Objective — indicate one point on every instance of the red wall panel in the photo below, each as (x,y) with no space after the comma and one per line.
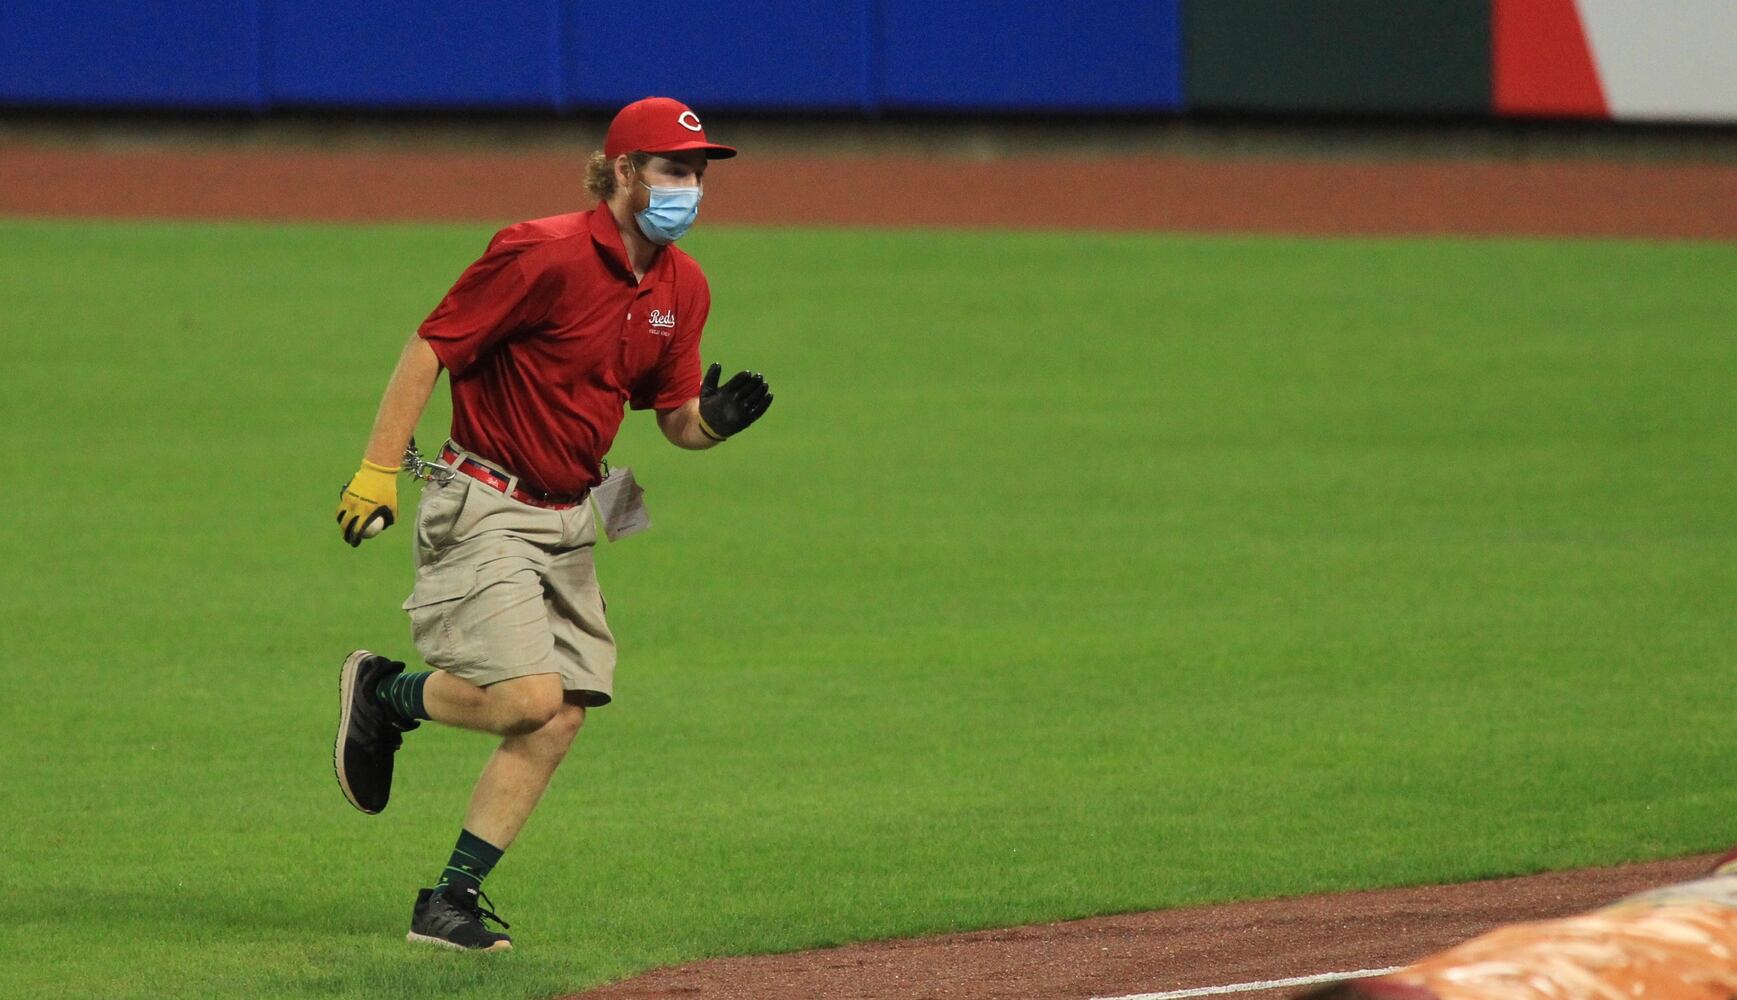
(1541,61)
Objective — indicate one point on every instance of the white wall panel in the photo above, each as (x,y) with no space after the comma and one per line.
(1665,59)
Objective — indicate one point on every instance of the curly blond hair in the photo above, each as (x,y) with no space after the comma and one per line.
(600,173)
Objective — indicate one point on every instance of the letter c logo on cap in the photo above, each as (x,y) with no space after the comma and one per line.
(689,121)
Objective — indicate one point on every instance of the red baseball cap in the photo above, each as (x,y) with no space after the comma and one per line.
(659,125)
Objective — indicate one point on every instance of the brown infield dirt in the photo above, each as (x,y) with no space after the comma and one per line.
(1168,950)
(1180,949)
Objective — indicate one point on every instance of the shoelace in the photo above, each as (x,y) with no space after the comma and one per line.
(483,911)
(490,913)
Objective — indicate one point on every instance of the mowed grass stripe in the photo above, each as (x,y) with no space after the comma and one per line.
(1070,573)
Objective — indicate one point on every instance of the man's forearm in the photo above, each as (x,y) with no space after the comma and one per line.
(403,402)
(682,427)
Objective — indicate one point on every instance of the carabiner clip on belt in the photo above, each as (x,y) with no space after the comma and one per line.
(421,468)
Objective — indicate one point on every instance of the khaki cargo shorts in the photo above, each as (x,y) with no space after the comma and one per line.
(505,590)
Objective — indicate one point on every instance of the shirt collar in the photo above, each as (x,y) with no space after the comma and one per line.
(607,236)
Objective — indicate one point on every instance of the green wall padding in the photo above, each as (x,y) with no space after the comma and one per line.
(1338,56)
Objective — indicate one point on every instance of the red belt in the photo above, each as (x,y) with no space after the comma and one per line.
(497,480)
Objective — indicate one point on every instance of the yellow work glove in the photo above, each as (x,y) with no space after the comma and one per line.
(369,503)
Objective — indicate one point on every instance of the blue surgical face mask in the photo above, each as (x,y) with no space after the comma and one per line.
(671,212)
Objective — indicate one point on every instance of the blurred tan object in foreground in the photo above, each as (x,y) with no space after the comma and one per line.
(1675,943)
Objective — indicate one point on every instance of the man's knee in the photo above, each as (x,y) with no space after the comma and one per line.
(527,704)
(556,735)
(566,723)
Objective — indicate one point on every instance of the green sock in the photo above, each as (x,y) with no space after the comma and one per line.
(471,862)
(402,693)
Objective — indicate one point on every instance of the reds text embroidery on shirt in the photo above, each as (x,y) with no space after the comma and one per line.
(662,321)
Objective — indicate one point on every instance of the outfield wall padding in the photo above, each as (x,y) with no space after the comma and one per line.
(1339,56)
(1541,64)
(1657,60)
(430,54)
(1663,60)
(1108,55)
(859,56)
(778,55)
(116,53)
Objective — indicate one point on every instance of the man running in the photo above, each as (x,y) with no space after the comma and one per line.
(562,324)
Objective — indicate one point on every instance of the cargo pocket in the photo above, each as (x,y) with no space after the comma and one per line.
(433,604)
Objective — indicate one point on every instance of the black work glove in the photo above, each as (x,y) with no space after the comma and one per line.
(727,411)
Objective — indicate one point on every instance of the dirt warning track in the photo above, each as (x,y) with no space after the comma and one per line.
(1314,197)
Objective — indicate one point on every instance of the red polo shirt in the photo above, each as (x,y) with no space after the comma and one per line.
(548,335)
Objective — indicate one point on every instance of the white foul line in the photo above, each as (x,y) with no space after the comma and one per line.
(1267,984)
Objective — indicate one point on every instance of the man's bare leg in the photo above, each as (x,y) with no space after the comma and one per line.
(539,726)
(506,708)
(513,780)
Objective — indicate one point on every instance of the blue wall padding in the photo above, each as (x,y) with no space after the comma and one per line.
(412,53)
(1108,55)
(774,54)
(130,53)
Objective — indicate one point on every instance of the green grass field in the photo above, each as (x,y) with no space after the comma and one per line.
(1070,574)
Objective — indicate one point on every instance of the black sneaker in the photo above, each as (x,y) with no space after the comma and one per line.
(452,917)
(368,732)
